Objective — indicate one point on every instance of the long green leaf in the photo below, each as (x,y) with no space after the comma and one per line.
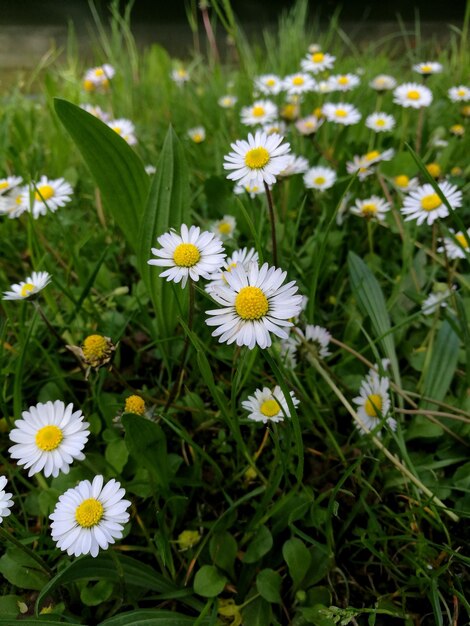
(167,207)
(149,617)
(117,170)
(445,354)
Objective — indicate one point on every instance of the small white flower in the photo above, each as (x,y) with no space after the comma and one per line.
(317,336)
(404,183)
(243,257)
(29,287)
(254,304)
(317,62)
(341,113)
(227,102)
(180,76)
(344,82)
(96,111)
(380,122)
(197,134)
(48,438)
(5,499)
(412,95)
(89,516)
(260,112)
(258,160)
(319,177)
(50,194)
(437,299)
(427,68)
(364,164)
(100,75)
(124,128)
(424,205)
(296,165)
(278,127)
(268,84)
(308,125)
(374,402)
(268,406)
(371,208)
(459,94)
(190,255)
(252,190)
(299,83)
(9,183)
(225,227)
(455,248)
(150,170)
(383,82)
(15,203)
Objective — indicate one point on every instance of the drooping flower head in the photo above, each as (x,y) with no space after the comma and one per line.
(5,499)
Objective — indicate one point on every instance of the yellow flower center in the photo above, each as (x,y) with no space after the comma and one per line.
(430,202)
(88,85)
(117,129)
(402,180)
(413,94)
(461,92)
(380,122)
(45,192)
(99,71)
(258,111)
(270,407)
(95,347)
(48,438)
(343,80)
(318,57)
(462,241)
(4,185)
(319,180)
(298,80)
(426,69)
(270,82)
(289,111)
(26,289)
(373,404)
(225,228)
(134,404)
(457,129)
(341,113)
(434,169)
(251,303)
(89,513)
(182,73)
(369,209)
(197,138)
(186,255)
(256,158)
(370,156)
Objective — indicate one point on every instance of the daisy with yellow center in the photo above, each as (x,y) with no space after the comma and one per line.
(254,304)
(427,68)
(9,183)
(259,113)
(125,129)
(459,94)
(405,183)
(343,82)
(317,62)
(423,204)
(180,76)
(268,406)
(224,228)
(320,178)
(365,164)
(383,82)
(134,404)
(50,194)
(96,350)
(258,160)
(341,113)
(373,403)
(89,516)
(296,84)
(412,95)
(197,134)
(97,78)
(268,84)
(5,499)
(31,286)
(457,247)
(243,257)
(380,122)
(371,208)
(308,125)
(48,438)
(191,254)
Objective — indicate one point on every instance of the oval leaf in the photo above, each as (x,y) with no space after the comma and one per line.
(209,582)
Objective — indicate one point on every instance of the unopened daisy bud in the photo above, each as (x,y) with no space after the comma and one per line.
(120,291)
(456,171)
(134,404)
(465,110)
(290,112)
(434,169)
(457,129)
(188,538)
(97,350)
(250,475)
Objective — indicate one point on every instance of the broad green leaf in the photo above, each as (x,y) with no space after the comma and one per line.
(117,170)
(298,559)
(149,617)
(96,594)
(209,582)
(167,207)
(445,354)
(371,301)
(21,570)
(117,454)
(257,613)
(318,615)
(268,583)
(260,545)
(9,605)
(223,550)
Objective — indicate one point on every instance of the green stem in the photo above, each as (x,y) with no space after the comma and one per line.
(273,222)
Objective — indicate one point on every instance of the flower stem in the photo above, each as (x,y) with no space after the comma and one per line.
(8,537)
(419,130)
(273,222)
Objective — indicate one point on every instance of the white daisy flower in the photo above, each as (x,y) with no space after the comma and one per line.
(374,402)
(380,122)
(344,82)
(9,183)
(227,102)
(190,255)
(179,76)
(5,499)
(424,205)
(319,177)
(258,160)
(317,62)
(437,299)
(278,127)
(15,203)
(364,164)
(371,208)
(243,257)
(100,75)
(324,86)
(296,165)
(308,125)
(252,190)
(225,227)
(254,305)
(405,183)
(96,111)
(412,95)
(457,247)
(318,337)
(268,84)
(260,112)
(150,170)
(268,406)
(50,194)
(197,134)
(89,516)
(383,82)
(314,47)
(299,83)
(427,68)
(341,113)
(124,128)
(29,287)
(48,438)
(459,94)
